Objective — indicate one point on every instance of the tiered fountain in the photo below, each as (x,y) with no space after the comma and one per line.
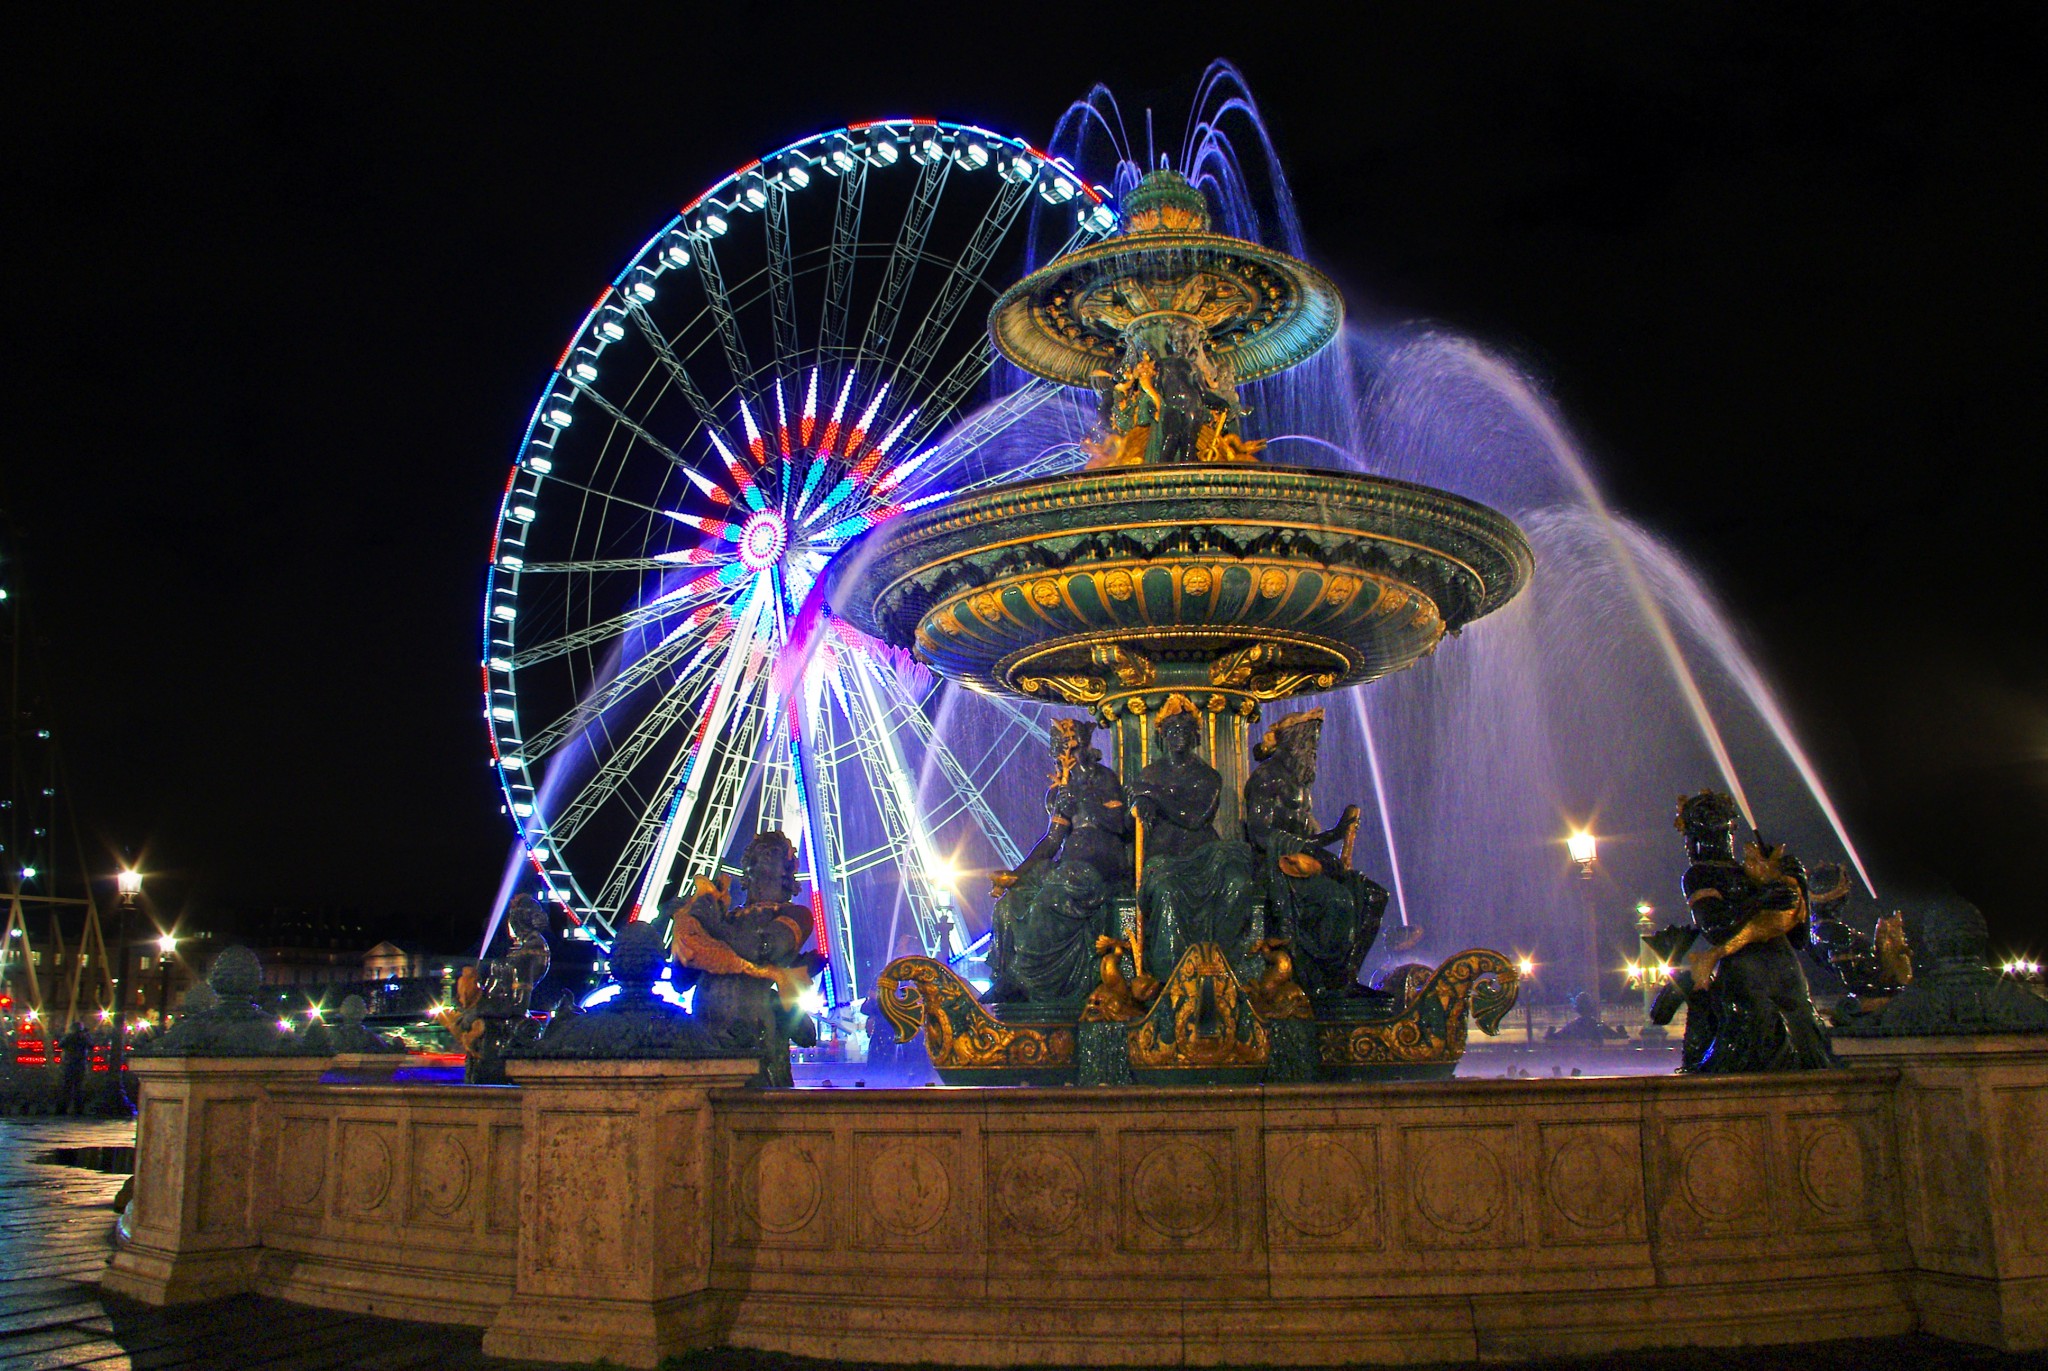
(1179,575)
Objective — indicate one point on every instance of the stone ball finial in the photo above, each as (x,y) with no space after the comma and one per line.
(236,974)
(637,955)
(1955,931)
(352,1010)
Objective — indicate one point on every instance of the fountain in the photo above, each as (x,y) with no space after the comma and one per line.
(1274,1168)
(1180,574)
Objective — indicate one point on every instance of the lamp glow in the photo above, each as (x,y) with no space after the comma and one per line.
(1582,846)
(129,882)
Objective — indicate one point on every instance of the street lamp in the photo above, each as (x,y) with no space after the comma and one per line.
(166,946)
(1526,966)
(1584,849)
(1652,971)
(129,883)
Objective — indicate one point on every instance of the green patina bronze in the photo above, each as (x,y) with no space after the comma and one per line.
(1180,578)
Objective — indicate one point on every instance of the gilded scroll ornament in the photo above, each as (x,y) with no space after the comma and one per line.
(920,992)
(1430,1029)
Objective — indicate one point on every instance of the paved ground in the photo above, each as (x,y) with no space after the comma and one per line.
(56,1226)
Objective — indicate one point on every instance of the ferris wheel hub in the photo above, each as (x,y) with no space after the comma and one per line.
(763,539)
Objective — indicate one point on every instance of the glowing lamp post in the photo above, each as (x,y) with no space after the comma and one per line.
(1584,850)
(129,883)
(1653,970)
(166,946)
(1527,967)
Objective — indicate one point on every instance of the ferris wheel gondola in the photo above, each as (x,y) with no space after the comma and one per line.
(778,369)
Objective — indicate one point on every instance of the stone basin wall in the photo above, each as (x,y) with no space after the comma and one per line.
(630,1210)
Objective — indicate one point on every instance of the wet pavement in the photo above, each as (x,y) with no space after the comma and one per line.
(59,1177)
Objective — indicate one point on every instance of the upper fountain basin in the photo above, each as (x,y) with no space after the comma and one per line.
(1337,578)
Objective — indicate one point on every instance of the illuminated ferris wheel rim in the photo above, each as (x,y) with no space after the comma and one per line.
(769,533)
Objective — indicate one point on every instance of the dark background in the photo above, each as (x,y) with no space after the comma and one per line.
(281,286)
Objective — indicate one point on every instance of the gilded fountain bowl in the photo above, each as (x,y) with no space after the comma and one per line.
(1310,579)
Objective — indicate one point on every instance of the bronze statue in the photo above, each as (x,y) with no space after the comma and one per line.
(529,956)
(1198,888)
(748,962)
(1329,913)
(1873,966)
(1749,1008)
(1051,909)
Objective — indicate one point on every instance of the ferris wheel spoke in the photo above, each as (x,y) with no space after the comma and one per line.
(631,425)
(902,264)
(781,283)
(965,275)
(828,829)
(600,700)
(713,279)
(672,711)
(962,443)
(739,763)
(744,662)
(679,374)
(661,562)
(904,713)
(895,795)
(676,602)
(853,184)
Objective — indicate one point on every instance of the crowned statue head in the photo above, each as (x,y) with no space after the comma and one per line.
(769,866)
(1178,726)
(1293,741)
(1708,822)
(1072,745)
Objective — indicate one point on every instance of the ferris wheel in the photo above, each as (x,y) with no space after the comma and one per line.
(782,366)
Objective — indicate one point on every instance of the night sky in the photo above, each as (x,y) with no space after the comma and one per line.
(281,287)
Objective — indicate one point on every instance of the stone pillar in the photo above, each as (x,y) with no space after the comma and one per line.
(1971,1115)
(204,1136)
(615,1211)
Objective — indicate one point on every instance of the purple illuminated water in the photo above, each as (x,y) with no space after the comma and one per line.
(1611,686)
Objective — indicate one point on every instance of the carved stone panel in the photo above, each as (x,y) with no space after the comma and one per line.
(1180,1190)
(1946,1199)
(2020,1118)
(1591,1177)
(443,1174)
(366,1164)
(1715,1177)
(302,1164)
(1833,1157)
(501,1213)
(909,1191)
(1323,1189)
(1461,1188)
(1043,1191)
(583,1229)
(224,1165)
(160,1176)
(778,1188)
